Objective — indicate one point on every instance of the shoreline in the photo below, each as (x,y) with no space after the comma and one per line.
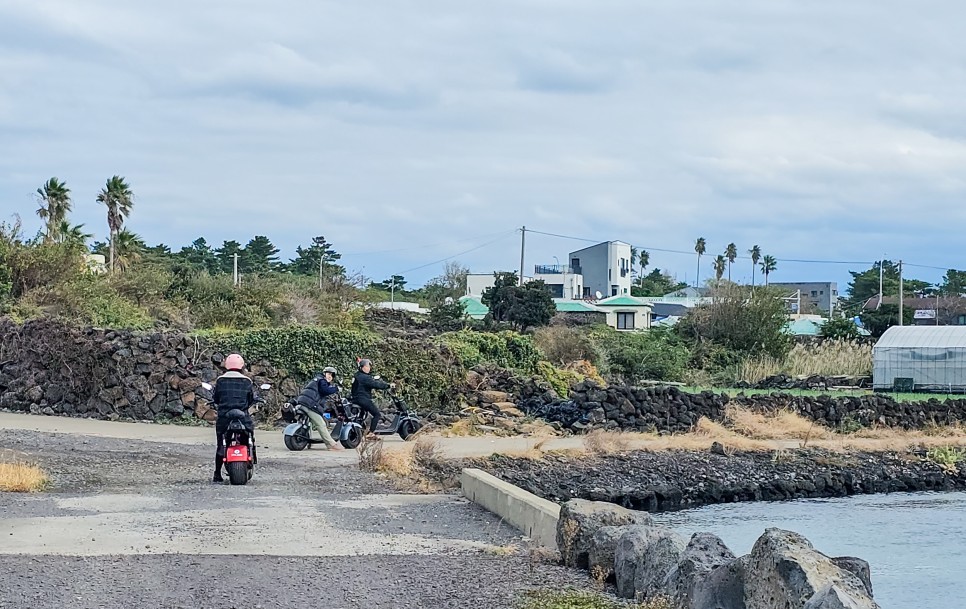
(676,480)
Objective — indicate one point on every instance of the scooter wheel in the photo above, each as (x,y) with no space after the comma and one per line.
(408,428)
(353,438)
(237,472)
(296,442)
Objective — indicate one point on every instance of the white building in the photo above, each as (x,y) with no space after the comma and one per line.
(605,267)
(561,279)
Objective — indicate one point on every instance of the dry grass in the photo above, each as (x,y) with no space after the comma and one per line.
(507,550)
(406,465)
(20,477)
(602,442)
(829,358)
(781,425)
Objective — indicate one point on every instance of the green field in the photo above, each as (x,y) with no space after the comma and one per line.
(899,397)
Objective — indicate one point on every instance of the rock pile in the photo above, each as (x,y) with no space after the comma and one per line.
(813,382)
(650,562)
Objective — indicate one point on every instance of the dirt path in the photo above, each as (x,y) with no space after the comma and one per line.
(269,442)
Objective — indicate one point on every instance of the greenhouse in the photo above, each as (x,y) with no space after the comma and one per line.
(920,358)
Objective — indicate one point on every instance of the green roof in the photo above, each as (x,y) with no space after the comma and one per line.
(573,306)
(622,301)
(474,308)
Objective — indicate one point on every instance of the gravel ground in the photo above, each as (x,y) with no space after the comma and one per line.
(205,582)
(416,550)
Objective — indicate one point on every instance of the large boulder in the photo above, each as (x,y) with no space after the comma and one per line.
(704,553)
(722,588)
(580,519)
(784,570)
(603,546)
(857,567)
(834,597)
(643,558)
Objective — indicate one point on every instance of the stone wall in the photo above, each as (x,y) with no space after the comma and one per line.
(669,409)
(54,369)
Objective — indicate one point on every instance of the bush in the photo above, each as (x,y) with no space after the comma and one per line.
(582,599)
(560,380)
(746,323)
(635,356)
(506,349)
(563,346)
(428,375)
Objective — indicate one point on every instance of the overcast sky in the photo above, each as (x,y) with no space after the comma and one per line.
(406,132)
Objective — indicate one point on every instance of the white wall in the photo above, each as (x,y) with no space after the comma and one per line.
(572,283)
(619,257)
(642,316)
(601,266)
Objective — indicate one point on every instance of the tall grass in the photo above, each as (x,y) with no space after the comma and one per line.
(828,358)
(20,477)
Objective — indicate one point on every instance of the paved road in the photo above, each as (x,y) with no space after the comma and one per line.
(269,442)
(132,522)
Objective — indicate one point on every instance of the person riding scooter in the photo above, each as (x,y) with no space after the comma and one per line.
(313,398)
(233,390)
(362,386)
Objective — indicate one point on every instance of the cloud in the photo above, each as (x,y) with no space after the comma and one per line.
(815,130)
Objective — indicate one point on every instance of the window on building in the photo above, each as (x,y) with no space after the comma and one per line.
(625,321)
(814,293)
(822,292)
(613,290)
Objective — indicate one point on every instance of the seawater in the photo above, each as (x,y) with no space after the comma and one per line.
(915,543)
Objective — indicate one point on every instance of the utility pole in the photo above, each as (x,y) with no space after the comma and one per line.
(392,292)
(234,273)
(523,245)
(900,293)
(321,258)
(879,304)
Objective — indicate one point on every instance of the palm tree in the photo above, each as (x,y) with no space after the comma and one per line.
(128,249)
(73,236)
(644,258)
(54,206)
(117,196)
(699,247)
(755,252)
(634,255)
(731,253)
(719,267)
(768,266)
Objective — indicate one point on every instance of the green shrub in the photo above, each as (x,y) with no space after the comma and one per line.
(506,349)
(562,345)
(560,380)
(428,375)
(947,456)
(635,356)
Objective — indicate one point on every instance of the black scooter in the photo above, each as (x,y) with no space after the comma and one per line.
(405,422)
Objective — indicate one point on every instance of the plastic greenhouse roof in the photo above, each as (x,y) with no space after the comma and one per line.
(942,337)
(474,306)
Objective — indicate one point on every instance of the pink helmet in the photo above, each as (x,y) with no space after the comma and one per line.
(234,362)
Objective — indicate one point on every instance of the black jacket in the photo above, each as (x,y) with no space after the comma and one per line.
(233,390)
(362,386)
(315,394)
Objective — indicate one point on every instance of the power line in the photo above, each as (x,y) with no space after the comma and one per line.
(692,253)
(504,235)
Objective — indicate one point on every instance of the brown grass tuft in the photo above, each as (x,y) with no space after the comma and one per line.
(602,442)
(19,477)
(781,425)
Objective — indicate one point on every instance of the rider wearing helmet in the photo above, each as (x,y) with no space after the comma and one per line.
(232,390)
(362,386)
(314,396)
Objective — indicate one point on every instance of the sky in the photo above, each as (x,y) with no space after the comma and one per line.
(409,132)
